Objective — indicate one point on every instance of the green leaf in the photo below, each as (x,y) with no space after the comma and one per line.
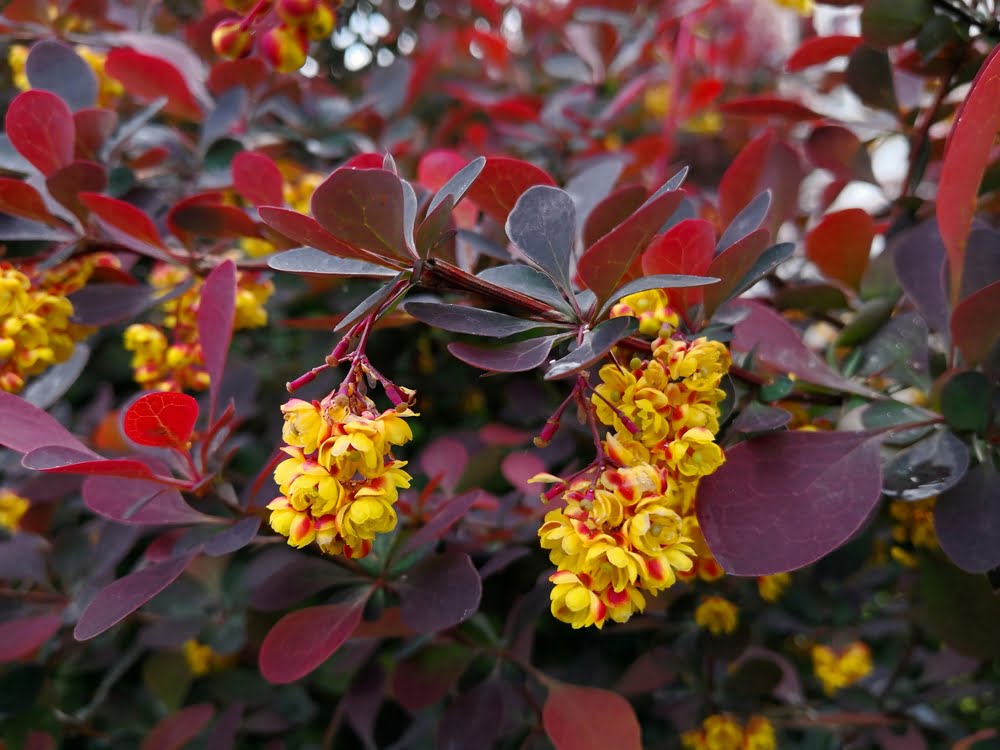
(959,608)
(596,343)
(967,402)
(869,75)
(885,23)
(869,318)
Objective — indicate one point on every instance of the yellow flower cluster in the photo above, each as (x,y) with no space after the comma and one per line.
(36,330)
(772,588)
(913,529)
(723,732)
(839,669)
(717,615)
(631,528)
(655,315)
(202,659)
(340,481)
(176,363)
(12,509)
(109,89)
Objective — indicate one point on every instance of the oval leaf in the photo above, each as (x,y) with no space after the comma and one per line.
(363,207)
(502,181)
(970,334)
(471,320)
(19,638)
(176,730)
(54,66)
(18,198)
(286,656)
(967,520)
(585,718)
(148,77)
(596,343)
(216,312)
(440,592)
(308,260)
(841,244)
(24,427)
(138,502)
(161,420)
(926,468)
(786,499)
(516,357)
(40,126)
(542,224)
(257,179)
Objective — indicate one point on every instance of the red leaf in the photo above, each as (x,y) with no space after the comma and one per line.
(731,265)
(161,420)
(784,500)
(520,466)
(302,640)
(24,427)
(840,245)
(973,323)
(216,312)
(19,638)
(40,126)
(62,460)
(438,166)
(836,148)
(609,262)
(768,106)
(176,730)
(444,460)
(126,224)
(821,49)
(612,211)
(966,157)
(686,248)
(18,198)
(198,216)
(139,502)
(764,163)
(123,597)
(778,346)
(584,718)
(66,184)
(94,126)
(257,179)
(502,182)
(307,232)
(147,78)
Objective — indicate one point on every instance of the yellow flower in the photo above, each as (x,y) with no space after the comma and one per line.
(304,425)
(616,389)
(759,735)
(574,603)
(717,615)
(772,588)
(298,526)
(656,102)
(359,521)
(255,247)
(316,490)
(17,56)
(109,88)
(695,454)
(802,7)
(700,363)
(722,733)
(202,659)
(839,669)
(621,605)
(656,317)
(386,484)
(12,509)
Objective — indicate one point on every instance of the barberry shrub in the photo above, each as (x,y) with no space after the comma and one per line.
(500,374)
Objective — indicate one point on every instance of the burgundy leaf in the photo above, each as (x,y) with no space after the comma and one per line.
(685,248)
(257,179)
(440,592)
(517,357)
(66,184)
(24,427)
(768,106)
(502,181)
(363,207)
(94,125)
(20,637)
(837,149)
(223,734)
(123,597)
(236,536)
(969,333)
(784,500)
(306,231)
(18,198)
(731,266)
(840,245)
(176,730)
(138,502)
(474,719)
(444,459)
(585,718)
(148,77)
(443,519)
(60,459)
(302,640)
(216,221)
(126,224)
(967,520)
(216,312)
(612,211)
(40,126)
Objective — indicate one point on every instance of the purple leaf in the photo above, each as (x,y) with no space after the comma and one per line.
(609,261)
(440,592)
(22,558)
(517,357)
(104,304)
(237,536)
(529,282)
(474,719)
(363,701)
(223,734)
(66,184)
(444,459)
(176,730)
(967,520)
(364,208)
(301,641)
(287,579)
(731,266)
(786,499)
(745,222)
(216,311)
(543,224)
(759,418)
(459,183)
(20,637)
(520,466)
(439,524)
(472,320)
(123,597)
(24,427)
(138,502)
(982,260)
(778,346)
(926,468)
(308,260)
(62,460)
(596,343)
(54,66)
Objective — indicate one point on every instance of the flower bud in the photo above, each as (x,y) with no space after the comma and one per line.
(285,48)
(296,12)
(230,41)
(320,24)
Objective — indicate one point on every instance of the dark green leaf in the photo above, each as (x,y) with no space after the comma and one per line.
(959,608)
(885,23)
(869,75)
(595,345)
(542,224)
(886,413)
(472,320)
(872,315)
(967,402)
(309,260)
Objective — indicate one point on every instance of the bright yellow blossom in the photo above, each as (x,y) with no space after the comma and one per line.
(12,509)
(772,588)
(839,669)
(656,317)
(723,732)
(717,615)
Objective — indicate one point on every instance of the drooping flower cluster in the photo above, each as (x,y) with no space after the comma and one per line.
(340,481)
(717,615)
(108,91)
(176,363)
(723,732)
(839,669)
(628,525)
(12,510)
(36,328)
(285,44)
